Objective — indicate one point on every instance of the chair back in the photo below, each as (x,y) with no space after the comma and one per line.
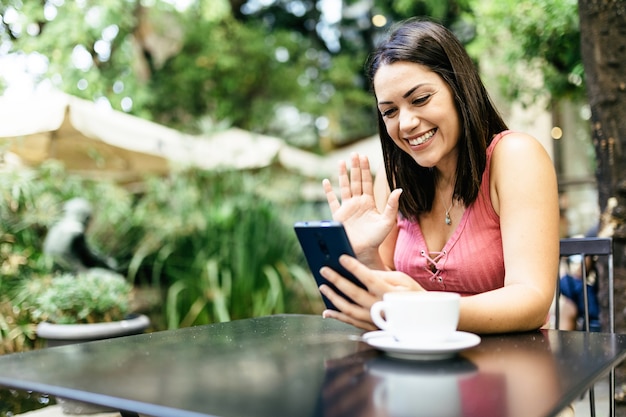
(600,247)
(589,246)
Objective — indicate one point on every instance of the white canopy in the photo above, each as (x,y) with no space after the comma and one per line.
(96,140)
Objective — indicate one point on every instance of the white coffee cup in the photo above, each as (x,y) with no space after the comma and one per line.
(418,317)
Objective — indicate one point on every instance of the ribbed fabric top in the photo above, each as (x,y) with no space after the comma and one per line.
(471,262)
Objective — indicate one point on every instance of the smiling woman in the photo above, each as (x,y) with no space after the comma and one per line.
(460,211)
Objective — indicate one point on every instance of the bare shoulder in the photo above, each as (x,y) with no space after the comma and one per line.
(521,171)
(520,154)
(517,144)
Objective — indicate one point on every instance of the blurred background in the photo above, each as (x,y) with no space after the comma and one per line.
(201,130)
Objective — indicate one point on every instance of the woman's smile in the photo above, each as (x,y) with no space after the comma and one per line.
(421,139)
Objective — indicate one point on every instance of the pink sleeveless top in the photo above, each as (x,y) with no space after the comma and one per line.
(471,262)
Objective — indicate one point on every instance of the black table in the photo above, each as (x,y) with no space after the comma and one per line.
(297,365)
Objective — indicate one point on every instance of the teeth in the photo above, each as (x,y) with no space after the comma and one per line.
(423,138)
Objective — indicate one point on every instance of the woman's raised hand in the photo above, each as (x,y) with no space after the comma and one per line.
(365,225)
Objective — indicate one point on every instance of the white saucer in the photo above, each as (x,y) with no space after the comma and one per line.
(424,351)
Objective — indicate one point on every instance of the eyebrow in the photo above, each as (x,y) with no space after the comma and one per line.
(407,94)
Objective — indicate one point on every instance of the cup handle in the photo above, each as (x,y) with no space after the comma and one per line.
(376,312)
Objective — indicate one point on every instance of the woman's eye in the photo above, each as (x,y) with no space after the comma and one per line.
(388,113)
(422,99)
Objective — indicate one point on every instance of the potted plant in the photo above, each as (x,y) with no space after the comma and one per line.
(82,307)
(90,305)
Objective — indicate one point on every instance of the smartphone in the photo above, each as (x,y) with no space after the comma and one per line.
(323,242)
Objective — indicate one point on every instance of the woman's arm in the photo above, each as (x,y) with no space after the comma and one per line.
(524,193)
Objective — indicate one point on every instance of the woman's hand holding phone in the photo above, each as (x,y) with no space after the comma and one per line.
(357,312)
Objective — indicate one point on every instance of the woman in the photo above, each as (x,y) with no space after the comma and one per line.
(474,207)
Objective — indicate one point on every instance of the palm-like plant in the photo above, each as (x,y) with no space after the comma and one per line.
(225,250)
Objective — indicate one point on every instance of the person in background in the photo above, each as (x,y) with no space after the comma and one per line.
(467,206)
(572,300)
(572,317)
(66,241)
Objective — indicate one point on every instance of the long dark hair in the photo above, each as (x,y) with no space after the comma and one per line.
(435,47)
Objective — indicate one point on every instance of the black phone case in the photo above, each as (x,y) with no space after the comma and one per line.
(323,242)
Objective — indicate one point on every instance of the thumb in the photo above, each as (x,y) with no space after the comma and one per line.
(393,204)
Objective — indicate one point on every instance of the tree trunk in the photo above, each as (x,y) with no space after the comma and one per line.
(603,48)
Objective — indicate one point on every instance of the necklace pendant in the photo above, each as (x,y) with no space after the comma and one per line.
(448,219)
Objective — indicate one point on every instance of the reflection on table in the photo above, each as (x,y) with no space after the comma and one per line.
(295,365)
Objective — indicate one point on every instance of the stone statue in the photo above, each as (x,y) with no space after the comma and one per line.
(66,242)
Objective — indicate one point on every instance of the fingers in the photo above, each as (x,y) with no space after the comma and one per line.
(359,180)
(344,181)
(333,202)
(333,314)
(361,175)
(357,269)
(356,185)
(359,310)
(355,311)
(377,282)
(367,181)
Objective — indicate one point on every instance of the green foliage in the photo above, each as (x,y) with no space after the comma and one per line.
(539,43)
(447,12)
(17,329)
(30,202)
(227,59)
(214,244)
(225,250)
(215,63)
(82,26)
(94,296)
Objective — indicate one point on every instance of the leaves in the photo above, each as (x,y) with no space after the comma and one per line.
(216,61)
(91,297)
(539,43)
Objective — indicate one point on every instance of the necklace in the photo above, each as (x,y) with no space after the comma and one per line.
(448,219)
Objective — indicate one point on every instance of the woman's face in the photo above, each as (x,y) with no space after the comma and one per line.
(419,113)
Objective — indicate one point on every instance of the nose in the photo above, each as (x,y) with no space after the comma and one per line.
(409,120)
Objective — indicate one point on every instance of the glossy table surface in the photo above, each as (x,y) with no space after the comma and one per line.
(299,365)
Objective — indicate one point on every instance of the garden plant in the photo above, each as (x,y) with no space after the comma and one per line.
(215,246)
